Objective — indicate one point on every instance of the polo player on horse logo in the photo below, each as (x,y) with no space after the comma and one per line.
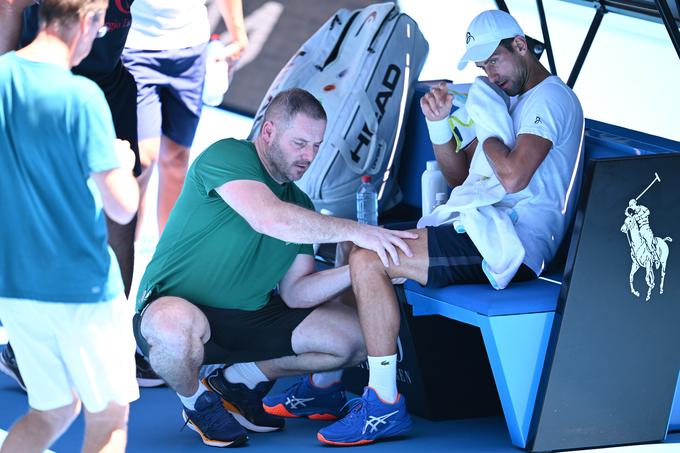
(645,250)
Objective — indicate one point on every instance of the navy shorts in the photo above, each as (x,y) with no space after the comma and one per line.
(242,336)
(169,91)
(455,259)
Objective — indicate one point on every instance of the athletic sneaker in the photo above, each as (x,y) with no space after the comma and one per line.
(304,399)
(216,427)
(369,419)
(146,376)
(8,365)
(244,404)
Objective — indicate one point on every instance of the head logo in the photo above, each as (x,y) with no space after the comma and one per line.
(469,37)
(646,250)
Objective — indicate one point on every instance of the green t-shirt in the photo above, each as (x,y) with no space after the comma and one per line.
(208,254)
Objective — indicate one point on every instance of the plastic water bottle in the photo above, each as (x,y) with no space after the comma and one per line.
(432,183)
(367,202)
(440,198)
(216,73)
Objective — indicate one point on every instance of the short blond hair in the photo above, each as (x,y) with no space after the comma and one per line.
(67,12)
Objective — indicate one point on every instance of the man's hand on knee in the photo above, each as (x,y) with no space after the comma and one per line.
(385,243)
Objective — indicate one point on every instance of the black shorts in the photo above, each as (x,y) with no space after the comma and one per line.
(455,259)
(243,336)
(120,91)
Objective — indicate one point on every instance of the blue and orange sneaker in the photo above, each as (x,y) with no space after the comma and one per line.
(243,403)
(217,427)
(369,419)
(304,399)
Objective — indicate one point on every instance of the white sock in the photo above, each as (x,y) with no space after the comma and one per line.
(382,376)
(245,373)
(326,379)
(190,401)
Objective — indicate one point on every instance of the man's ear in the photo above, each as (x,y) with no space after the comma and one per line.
(86,23)
(268,131)
(520,45)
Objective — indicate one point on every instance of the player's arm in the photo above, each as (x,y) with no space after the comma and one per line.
(232,14)
(436,106)
(267,214)
(515,167)
(304,287)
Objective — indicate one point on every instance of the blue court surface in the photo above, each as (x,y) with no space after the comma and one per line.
(156,423)
(156,426)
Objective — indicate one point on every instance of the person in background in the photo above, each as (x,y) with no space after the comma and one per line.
(166,53)
(61,295)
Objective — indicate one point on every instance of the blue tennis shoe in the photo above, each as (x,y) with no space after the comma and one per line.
(217,427)
(304,399)
(369,419)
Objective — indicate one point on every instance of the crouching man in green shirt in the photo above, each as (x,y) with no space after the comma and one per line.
(240,230)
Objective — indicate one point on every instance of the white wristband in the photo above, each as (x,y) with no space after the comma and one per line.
(440,131)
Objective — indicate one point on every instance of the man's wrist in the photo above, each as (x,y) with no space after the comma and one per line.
(440,131)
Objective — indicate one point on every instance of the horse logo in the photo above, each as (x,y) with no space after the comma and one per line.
(646,250)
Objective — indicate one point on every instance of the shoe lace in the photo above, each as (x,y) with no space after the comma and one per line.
(211,417)
(356,407)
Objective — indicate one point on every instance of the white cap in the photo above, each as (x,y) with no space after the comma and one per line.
(485,32)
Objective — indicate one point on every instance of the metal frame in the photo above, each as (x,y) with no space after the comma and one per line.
(604,6)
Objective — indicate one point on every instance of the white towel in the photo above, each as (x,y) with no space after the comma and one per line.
(477,205)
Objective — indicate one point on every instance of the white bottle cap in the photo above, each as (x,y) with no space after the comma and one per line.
(432,165)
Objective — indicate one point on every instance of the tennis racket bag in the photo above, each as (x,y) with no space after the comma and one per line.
(362,65)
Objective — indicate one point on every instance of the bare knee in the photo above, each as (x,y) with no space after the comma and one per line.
(113,417)
(57,420)
(173,155)
(175,323)
(365,262)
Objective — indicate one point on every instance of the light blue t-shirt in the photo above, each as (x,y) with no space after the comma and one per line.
(55,130)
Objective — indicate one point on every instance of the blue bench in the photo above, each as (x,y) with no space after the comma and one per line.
(516,322)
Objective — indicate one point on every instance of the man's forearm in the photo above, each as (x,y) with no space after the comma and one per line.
(292,223)
(499,157)
(316,288)
(454,166)
(232,14)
